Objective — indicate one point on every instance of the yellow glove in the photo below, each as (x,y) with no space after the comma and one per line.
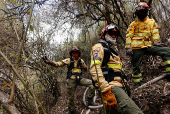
(109,99)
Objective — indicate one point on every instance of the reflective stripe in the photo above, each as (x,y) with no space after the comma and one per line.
(76,70)
(141,43)
(61,63)
(167,69)
(96,62)
(146,42)
(137,43)
(155,30)
(137,76)
(119,66)
(128,41)
(143,34)
(156,37)
(166,62)
(129,35)
(137,80)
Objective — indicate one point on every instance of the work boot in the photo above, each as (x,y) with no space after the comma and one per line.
(167,76)
(137,84)
(91,103)
(72,112)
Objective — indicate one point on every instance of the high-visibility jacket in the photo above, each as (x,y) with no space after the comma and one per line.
(114,62)
(141,34)
(76,69)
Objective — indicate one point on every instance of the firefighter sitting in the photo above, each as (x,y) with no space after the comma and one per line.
(106,68)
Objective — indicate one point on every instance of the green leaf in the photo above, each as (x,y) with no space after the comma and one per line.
(19,3)
(31,28)
(25,58)
(12,55)
(79,7)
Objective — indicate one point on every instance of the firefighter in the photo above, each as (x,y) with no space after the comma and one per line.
(106,68)
(75,66)
(143,38)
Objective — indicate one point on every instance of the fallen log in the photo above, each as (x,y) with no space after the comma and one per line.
(151,81)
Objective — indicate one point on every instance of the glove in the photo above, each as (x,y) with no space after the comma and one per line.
(46,60)
(159,44)
(109,99)
(128,50)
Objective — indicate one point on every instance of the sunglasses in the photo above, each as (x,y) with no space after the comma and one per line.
(75,48)
(113,32)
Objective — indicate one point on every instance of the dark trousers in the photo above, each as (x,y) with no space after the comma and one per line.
(125,104)
(71,88)
(163,52)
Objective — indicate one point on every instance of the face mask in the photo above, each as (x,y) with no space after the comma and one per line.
(110,39)
(142,15)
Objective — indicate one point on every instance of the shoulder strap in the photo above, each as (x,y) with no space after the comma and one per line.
(107,54)
(71,64)
(113,50)
(79,63)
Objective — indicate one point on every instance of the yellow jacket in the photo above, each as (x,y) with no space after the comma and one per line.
(141,34)
(114,63)
(67,62)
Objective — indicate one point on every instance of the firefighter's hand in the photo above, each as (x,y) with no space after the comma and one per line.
(109,99)
(159,44)
(84,67)
(128,50)
(46,60)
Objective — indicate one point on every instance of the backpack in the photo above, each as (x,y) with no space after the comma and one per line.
(107,71)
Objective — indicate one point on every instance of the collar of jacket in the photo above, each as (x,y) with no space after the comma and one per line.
(143,19)
(103,41)
(76,59)
(107,43)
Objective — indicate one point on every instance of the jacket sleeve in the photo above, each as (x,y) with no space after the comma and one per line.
(97,54)
(84,66)
(155,33)
(62,63)
(129,34)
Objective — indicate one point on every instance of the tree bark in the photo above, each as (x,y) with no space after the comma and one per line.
(19,55)
(107,13)
(10,108)
(23,82)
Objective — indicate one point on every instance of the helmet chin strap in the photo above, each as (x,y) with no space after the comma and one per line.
(109,39)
